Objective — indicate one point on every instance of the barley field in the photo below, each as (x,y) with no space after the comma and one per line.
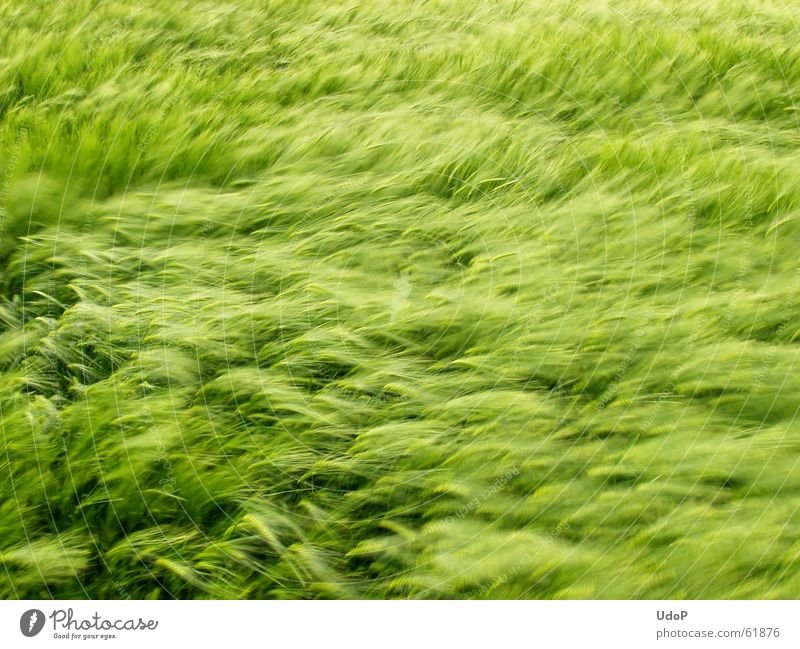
(448,299)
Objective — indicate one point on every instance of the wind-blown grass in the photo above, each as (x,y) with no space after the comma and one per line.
(445,299)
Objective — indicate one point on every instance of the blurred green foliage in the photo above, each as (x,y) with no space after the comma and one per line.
(444,299)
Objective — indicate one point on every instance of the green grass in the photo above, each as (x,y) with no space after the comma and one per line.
(382,300)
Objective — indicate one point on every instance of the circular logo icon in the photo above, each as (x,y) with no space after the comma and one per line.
(31,622)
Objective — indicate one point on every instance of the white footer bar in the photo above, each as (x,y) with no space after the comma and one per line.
(400,624)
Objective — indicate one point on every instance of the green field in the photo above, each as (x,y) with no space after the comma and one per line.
(399,300)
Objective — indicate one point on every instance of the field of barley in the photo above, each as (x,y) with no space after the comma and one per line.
(447,299)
